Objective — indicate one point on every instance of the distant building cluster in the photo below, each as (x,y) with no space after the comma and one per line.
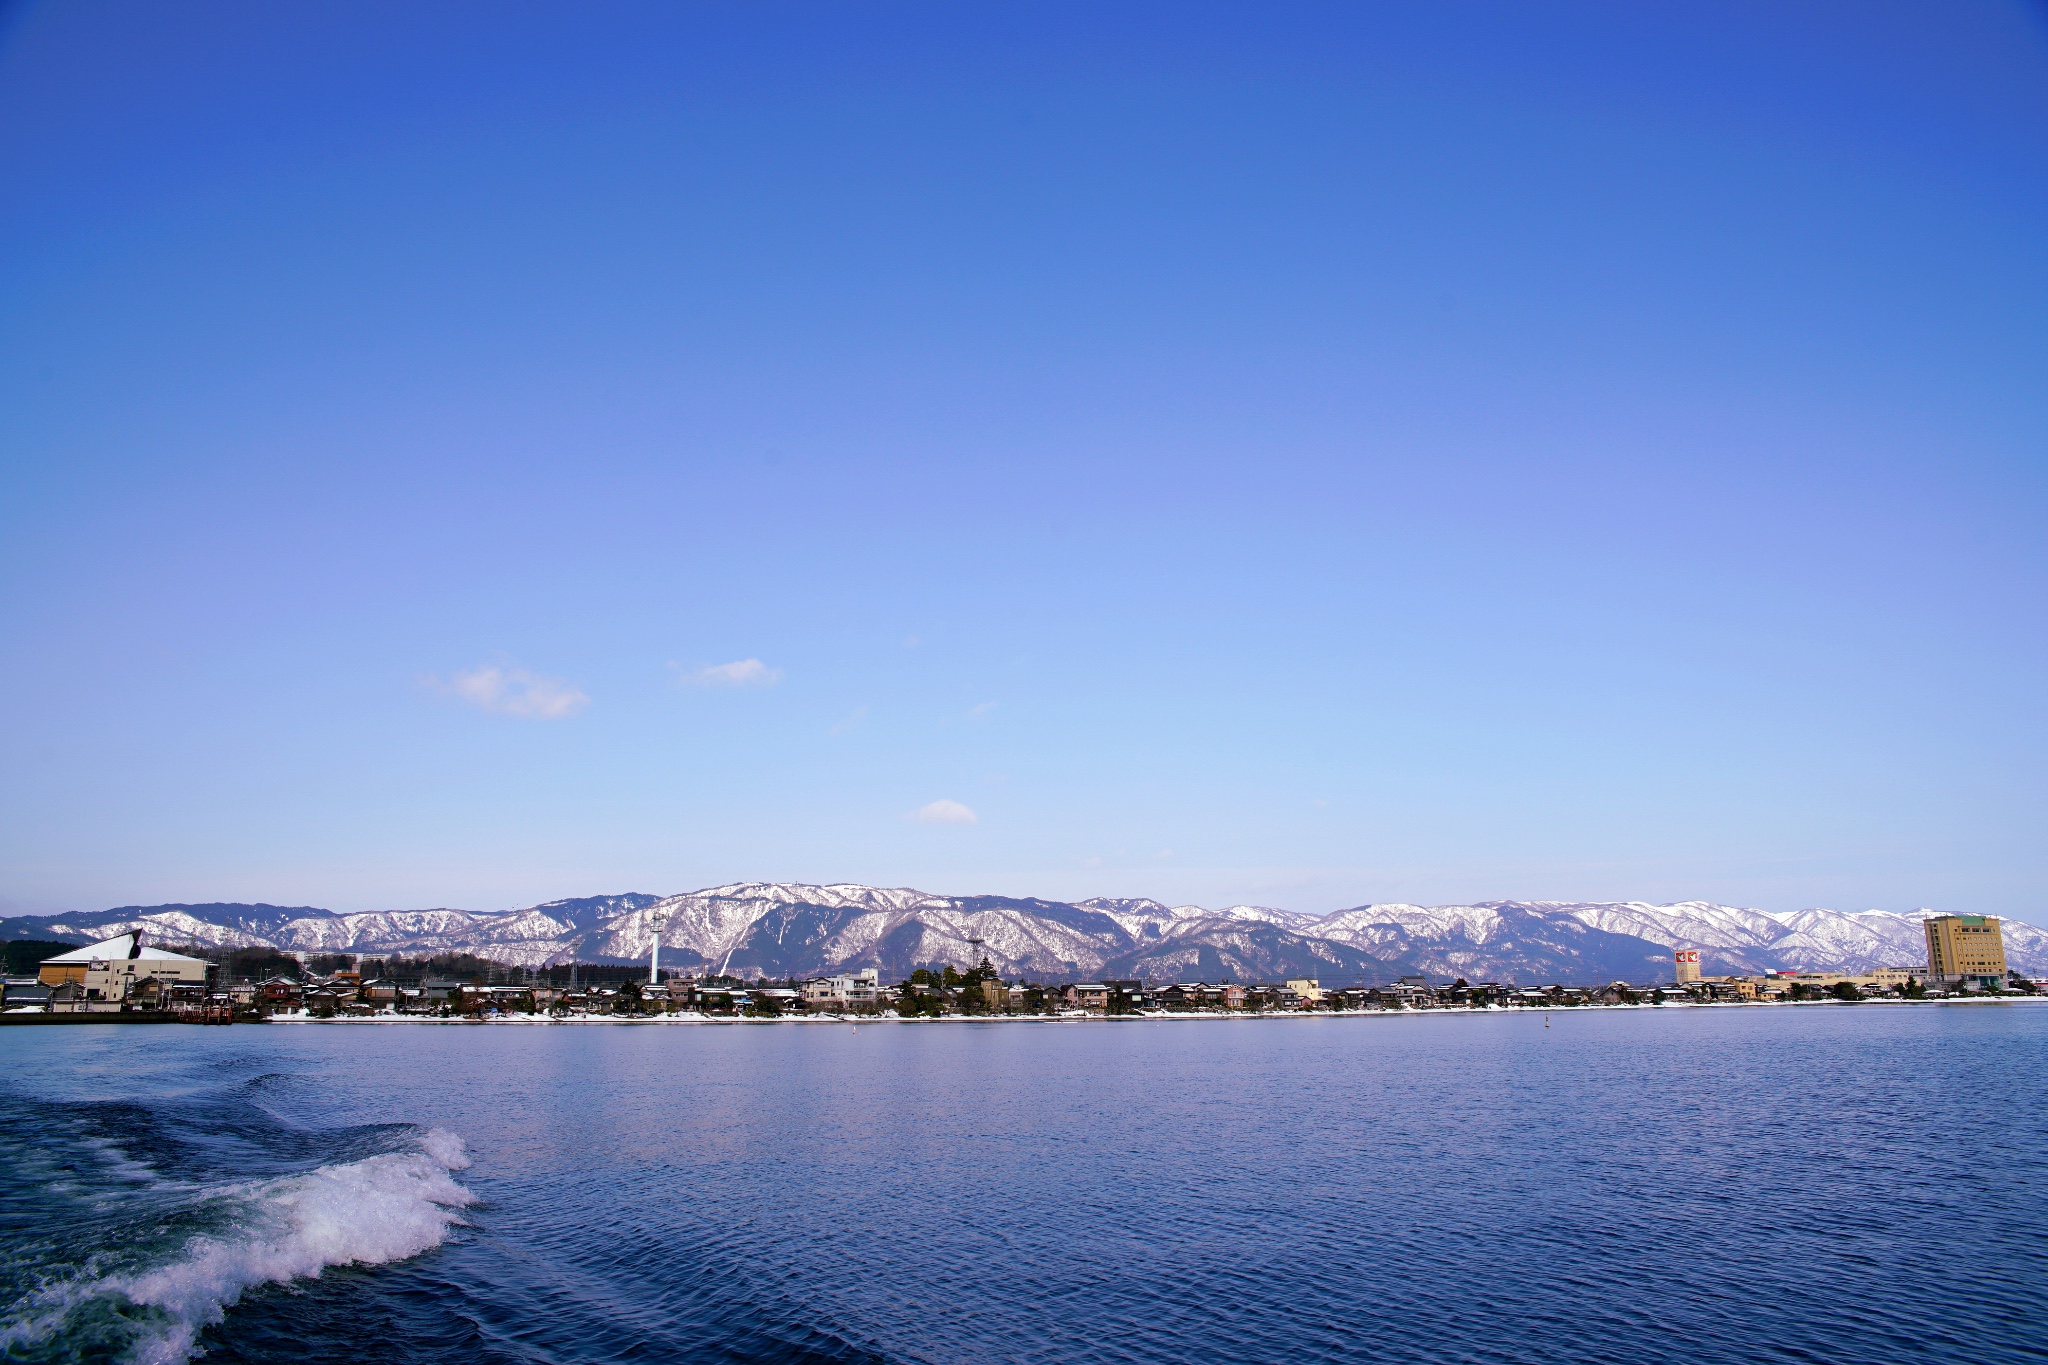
(1965,956)
(124,977)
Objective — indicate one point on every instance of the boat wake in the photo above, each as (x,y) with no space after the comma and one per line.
(225,1239)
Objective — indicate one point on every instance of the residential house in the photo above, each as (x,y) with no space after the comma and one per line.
(1088,995)
(24,993)
(278,993)
(1307,991)
(853,993)
(328,998)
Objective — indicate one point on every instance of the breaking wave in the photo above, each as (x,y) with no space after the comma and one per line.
(371,1211)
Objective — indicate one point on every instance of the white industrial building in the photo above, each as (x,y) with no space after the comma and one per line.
(110,969)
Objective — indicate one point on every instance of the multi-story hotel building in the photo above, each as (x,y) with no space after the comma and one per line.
(1965,950)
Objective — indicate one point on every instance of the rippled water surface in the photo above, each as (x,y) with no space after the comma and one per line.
(1837,1183)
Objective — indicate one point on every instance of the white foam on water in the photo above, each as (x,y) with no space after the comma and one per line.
(119,1164)
(369,1212)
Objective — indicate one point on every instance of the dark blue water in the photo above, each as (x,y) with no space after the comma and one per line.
(1833,1183)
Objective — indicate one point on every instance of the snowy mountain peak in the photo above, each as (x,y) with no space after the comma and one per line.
(802,893)
(1129,905)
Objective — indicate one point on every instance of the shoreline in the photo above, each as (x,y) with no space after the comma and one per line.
(694,1019)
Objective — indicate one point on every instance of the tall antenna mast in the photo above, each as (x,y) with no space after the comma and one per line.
(657,918)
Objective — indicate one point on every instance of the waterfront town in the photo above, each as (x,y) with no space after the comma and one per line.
(124,978)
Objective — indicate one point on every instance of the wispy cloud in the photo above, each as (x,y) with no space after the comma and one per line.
(944,812)
(511,691)
(738,673)
(981,710)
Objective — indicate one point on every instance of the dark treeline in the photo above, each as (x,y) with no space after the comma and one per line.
(258,964)
(24,955)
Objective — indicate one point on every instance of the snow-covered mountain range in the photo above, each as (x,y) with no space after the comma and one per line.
(784,929)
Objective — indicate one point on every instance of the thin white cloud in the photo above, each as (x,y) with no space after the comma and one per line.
(983,709)
(738,673)
(510,691)
(944,812)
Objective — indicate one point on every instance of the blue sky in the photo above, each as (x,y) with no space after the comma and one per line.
(1298,454)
